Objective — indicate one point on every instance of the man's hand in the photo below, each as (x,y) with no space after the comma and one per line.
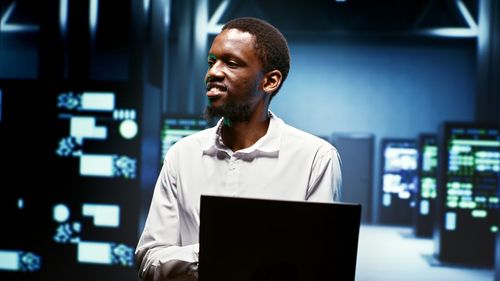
(174,270)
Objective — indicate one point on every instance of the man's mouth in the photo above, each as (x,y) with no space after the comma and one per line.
(215,90)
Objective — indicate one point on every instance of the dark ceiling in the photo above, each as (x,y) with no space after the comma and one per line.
(352,15)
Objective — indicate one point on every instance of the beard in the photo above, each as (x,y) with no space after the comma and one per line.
(234,112)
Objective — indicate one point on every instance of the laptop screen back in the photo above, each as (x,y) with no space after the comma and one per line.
(263,240)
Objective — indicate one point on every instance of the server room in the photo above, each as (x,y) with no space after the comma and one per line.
(94,93)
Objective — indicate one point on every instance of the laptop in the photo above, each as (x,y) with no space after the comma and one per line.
(243,239)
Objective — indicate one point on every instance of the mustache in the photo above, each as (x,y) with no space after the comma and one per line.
(218,85)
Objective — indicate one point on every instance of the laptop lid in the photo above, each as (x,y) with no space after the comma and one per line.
(262,240)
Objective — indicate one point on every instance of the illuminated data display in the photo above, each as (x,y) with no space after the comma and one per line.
(469,183)
(427,185)
(93,117)
(399,180)
(73,209)
(176,127)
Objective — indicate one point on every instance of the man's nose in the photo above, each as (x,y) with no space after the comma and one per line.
(215,70)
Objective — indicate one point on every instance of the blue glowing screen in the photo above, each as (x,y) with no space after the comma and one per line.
(71,184)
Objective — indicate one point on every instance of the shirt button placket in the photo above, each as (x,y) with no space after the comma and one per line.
(232,177)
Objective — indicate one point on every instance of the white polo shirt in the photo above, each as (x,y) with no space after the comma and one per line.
(286,164)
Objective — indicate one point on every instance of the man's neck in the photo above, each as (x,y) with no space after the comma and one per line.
(240,135)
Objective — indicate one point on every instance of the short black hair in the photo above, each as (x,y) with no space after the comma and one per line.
(270,44)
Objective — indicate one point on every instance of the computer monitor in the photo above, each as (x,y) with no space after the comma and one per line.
(176,127)
(399,180)
(425,197)
(468,193)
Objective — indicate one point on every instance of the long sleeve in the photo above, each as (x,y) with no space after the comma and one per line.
(325,181)
(160,254)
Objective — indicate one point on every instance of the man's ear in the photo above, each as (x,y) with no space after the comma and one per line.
(272,81)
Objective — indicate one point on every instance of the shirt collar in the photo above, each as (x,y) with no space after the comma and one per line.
(267,146)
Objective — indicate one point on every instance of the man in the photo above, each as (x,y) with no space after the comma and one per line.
(249,153)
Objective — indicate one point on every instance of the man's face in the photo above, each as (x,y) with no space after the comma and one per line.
(234,76)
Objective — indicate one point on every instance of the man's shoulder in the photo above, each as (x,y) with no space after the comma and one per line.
(295,136)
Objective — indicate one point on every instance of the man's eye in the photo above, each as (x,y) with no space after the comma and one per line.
(232,64)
